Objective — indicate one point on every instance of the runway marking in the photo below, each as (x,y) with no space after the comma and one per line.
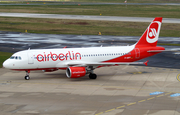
(151,98)
(175,95)
(99,113)
(133,103)
(156,93)
(120,107)
(168,93)
(178,77)
(110,110)
(141,101)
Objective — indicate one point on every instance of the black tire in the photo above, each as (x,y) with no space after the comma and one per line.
(92,76)
(26,77)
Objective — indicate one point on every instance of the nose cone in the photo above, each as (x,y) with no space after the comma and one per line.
(6,64)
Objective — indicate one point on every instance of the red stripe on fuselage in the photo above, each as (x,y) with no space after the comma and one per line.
(136,54)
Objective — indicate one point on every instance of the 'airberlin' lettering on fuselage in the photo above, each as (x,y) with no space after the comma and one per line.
(61,56)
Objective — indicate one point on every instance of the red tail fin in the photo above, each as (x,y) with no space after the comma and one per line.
(151,35)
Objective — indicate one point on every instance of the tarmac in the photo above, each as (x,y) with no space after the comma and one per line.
(118,90)
(87,17)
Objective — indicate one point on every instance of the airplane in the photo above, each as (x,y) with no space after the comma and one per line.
(81,61)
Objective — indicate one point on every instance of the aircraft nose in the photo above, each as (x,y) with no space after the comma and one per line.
(6,64)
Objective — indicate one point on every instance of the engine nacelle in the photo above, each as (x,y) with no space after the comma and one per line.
(75,72)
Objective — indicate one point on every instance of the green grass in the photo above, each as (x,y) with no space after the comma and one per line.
(54,26)
(105,10)
(129,1)
(95,1)
(84,27)
(3,57)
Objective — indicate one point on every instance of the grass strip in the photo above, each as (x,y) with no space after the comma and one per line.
(103,10)
(83,27)
(129,1)
(90,1)
(3,57)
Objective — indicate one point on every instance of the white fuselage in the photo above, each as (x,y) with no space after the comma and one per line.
(59,58)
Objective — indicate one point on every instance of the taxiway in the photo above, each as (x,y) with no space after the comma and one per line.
(118,90)
(87,17)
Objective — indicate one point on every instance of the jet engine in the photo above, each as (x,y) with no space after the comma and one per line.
(75,72)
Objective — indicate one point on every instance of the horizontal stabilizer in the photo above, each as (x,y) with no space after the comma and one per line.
(163,51)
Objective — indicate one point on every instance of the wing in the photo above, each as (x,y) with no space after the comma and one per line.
(84,64)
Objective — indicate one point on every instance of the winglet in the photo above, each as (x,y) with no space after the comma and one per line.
(146,62)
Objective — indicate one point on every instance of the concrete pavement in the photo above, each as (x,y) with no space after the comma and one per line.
(87,17)
(119,90)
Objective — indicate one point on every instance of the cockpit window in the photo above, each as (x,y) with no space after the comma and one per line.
(12,57)
(16,57)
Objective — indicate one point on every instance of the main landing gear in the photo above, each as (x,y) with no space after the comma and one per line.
(27,75)
(89,70)
(92,76)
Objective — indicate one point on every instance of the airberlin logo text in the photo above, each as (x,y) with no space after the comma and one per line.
(61,56)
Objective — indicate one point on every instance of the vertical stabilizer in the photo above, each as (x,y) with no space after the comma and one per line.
(151,35)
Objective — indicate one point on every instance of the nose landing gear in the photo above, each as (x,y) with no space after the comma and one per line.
(27,75)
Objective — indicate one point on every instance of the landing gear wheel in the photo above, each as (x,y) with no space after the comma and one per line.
(26,77)
(92,76)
